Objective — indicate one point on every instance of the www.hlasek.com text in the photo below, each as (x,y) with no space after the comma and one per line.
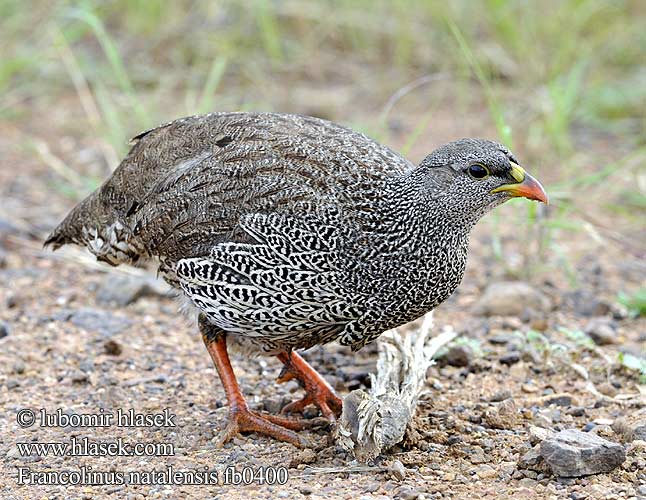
(85,447)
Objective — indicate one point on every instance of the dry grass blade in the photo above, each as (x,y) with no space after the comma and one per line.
(88,103)
(56,164)
(407,89)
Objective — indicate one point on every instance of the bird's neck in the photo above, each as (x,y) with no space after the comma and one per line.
(425,200)
(416,254)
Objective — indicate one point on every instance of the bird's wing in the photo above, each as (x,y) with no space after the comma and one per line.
(184,186)
(284,289)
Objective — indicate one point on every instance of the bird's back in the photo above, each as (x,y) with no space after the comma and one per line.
(184,186)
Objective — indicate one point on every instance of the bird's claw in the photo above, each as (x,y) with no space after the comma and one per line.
(278,427)
(327,402)
(317,391)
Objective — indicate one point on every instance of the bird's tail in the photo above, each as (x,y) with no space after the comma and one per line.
(95,224)
(71,229)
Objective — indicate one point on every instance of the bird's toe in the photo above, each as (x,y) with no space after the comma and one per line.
(280,428)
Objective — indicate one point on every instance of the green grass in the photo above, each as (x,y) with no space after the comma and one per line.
(635,302)
(543,74)
(634,363)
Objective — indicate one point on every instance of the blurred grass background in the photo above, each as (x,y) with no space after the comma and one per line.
(563,83)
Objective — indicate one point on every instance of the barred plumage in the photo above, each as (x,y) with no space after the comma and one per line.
(288,231)
(280,227)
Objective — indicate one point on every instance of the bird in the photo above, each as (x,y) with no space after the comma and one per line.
(282,232)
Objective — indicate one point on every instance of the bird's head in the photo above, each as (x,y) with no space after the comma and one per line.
(472,176)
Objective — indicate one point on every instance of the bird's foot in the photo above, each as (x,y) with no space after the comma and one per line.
(281,428)
(330,405)
(317,391)
(241,418)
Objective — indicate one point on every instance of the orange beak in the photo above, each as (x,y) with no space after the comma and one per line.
(526,187)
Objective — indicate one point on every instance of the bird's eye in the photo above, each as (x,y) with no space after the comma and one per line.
(478,171)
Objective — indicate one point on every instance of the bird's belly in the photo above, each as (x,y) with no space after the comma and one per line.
(435,281)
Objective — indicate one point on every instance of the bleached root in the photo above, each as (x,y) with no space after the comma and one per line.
(373,422)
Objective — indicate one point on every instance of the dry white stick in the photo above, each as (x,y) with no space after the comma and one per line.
(375,421)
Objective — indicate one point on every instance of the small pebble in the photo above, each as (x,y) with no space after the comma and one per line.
(500,396)
(12,383)
(12,301)
(510,358)
(372,487)
(602,330)
(577,411)
(112,347)
(631,428)
(398,470)
(486,472)
(306,490)
(501,339)
(18,367)
(407,493)
(453,439)
(459,356)
(78,377)
(4,329)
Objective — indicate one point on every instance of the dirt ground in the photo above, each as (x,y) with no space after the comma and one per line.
(65,347)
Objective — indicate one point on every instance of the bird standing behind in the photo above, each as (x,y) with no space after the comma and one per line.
(287,231)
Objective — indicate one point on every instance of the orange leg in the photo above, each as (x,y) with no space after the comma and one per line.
(241,418)
(317,391)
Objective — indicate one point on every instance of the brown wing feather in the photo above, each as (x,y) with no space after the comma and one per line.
(183,186)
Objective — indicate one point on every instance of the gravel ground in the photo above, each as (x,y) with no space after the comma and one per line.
(65,344)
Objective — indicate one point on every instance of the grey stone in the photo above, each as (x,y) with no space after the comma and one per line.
(558,400)
(602,330)
(78,377)
(12,383)
(19,367)
(4,329)
(500,396)
(12,301)
(398,470)
(539,434)
(511,298)
(532,459)
(585,303)
(112,347)
(510,358)
(122,290)
(631,428)
(572,453)
(503,415)
(306,490)
(459,355)
(528,482)
(95,320)
(577,411)
(501,339)
(408,493)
